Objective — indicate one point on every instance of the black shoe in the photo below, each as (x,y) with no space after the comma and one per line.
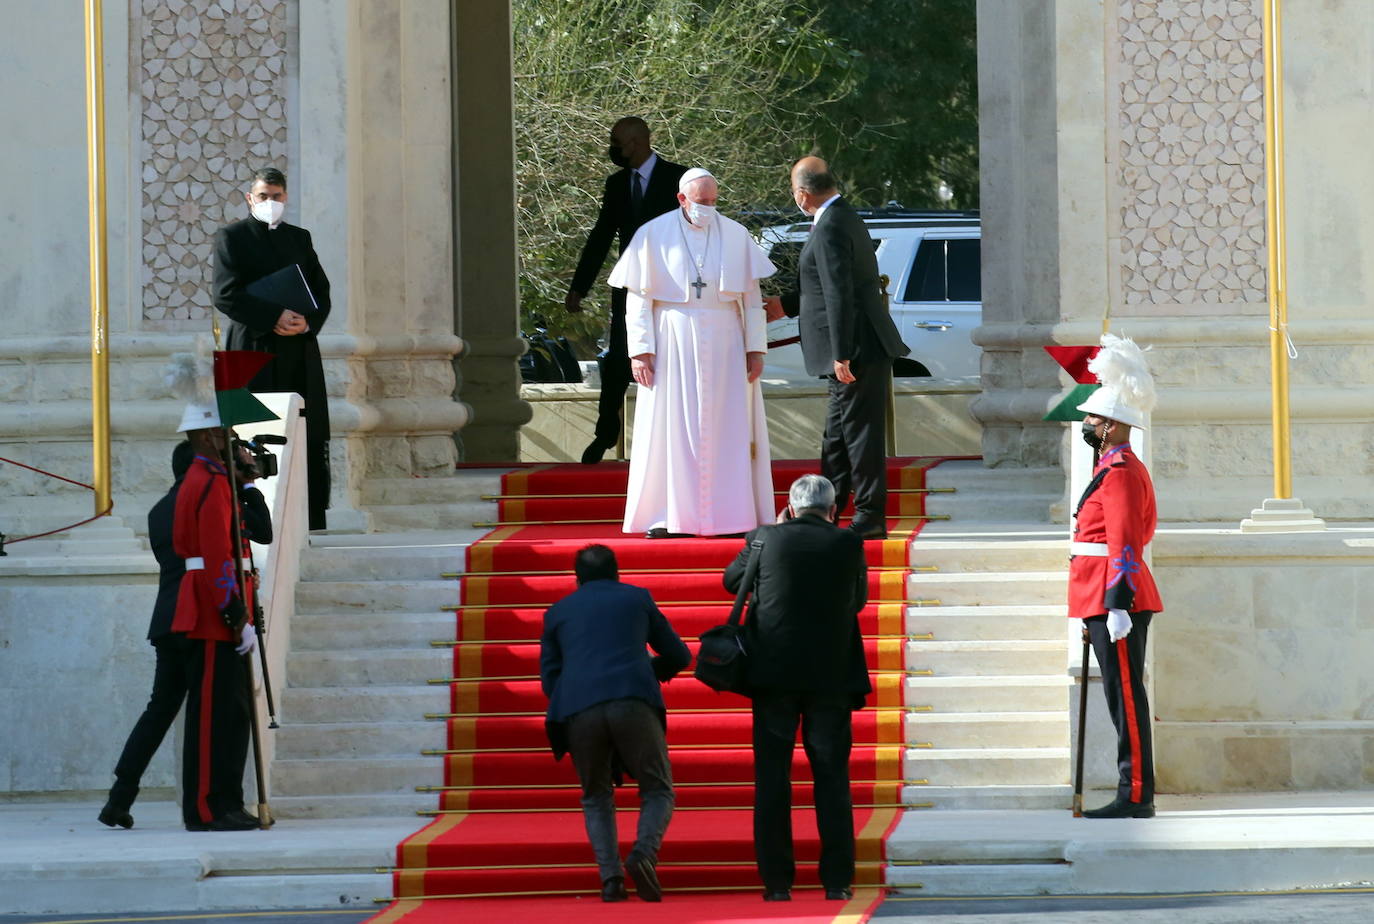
(641,870)
(839,895)
(778,895)
(869,529)
(1122,808)
(661,532)
(235,820)
(116,816)
(593,453)
(613,889)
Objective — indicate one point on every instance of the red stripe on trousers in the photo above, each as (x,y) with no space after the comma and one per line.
(207,703)
(1132,726)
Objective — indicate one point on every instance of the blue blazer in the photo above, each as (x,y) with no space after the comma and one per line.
(592,649)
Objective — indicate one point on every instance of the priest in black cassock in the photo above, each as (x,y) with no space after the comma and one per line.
(245,252)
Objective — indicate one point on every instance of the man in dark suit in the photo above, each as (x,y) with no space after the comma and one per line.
(806,665)
(246,251)
(172,671)
(847,337)
(644,187)
(603,686)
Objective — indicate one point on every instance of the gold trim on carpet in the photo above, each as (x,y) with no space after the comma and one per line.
(397,911)
(415,849)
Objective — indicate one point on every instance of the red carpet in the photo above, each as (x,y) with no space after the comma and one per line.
(508,842)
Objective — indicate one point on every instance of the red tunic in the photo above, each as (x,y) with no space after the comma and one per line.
(1117,509)
(202,528)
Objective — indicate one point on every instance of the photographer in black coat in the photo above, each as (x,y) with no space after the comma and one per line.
(806,665)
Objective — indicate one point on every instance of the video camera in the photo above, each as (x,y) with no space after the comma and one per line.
(264,463)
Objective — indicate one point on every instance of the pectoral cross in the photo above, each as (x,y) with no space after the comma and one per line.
(698,285)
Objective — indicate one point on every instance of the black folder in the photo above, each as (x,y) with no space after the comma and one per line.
(286,287)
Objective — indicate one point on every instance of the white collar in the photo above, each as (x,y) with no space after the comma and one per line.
(646,168)
(824,205)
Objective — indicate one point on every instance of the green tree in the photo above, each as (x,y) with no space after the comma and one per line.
(911,121)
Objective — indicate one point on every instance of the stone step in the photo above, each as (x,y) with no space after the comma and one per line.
(372,631)
(382,563)
(986,657)
(987,766)
(414,596)
(954,879)
(455,515)
(989,798)
(311,705)
(358,739)
(384,666)
(989,729)
(997,588)
(979,552)
(463,485)
(953,623)
(399,805)
(360,777)
(988,694)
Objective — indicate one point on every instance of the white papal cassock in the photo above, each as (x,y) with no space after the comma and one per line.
(691,469)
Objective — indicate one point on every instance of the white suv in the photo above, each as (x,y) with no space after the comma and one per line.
(932,261)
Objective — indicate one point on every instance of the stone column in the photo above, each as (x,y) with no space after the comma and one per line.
(487,309)
(375,110)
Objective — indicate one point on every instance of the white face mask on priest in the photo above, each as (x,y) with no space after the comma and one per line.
(698,200)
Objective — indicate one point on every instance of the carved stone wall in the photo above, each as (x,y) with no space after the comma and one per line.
(211,80)
(1190,152)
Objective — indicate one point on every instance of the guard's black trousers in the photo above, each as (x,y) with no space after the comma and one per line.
(170,678)
(854,446)
(827,737)
(1123,680)
(217,729)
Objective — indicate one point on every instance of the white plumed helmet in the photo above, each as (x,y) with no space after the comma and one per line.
(1128,389)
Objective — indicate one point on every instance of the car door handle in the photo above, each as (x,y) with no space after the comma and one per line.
(934,325)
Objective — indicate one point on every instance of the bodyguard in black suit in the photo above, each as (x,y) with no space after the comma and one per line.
(644,187)
(806,665)
(172,671)
(847,337)
(603,690)
(246,251)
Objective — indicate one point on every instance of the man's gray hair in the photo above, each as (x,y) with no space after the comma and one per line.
(811,492)
(816,182)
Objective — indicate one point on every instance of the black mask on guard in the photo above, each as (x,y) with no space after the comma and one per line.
(1091,438)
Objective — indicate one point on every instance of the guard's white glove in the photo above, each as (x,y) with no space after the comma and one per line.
(1118,624)
(248,639)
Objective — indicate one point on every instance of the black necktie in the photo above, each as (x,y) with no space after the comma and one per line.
(636,192)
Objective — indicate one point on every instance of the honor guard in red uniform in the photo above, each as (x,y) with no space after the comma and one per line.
(1110,585)
(212,614)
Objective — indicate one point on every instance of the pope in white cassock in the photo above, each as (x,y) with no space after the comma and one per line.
(695,323)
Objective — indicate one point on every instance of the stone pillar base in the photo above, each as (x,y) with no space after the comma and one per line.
(1281,515)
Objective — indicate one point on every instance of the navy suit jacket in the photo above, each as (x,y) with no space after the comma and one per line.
(592,649)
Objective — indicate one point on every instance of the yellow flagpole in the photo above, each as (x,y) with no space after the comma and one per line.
(100,318)
(1278,256)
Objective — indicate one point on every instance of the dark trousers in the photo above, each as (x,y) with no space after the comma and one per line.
(615,375)
(317,480)
(1123,680)
(170,678)
(217,729)
(632,730)
(827,738)
(854,446)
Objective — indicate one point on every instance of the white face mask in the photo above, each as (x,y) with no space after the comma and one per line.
(700,215)
(268,211)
